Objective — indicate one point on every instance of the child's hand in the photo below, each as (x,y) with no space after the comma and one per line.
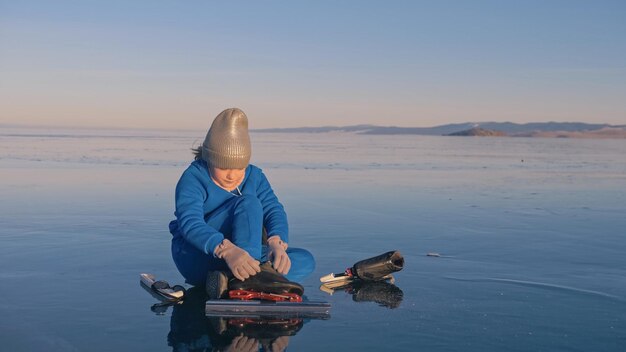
(238,260)
(278,255)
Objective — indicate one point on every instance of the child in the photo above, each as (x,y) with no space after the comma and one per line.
(224,208)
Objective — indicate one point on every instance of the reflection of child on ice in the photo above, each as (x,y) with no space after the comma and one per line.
(223,207)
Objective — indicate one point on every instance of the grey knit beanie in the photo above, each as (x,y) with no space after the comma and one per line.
(227,144)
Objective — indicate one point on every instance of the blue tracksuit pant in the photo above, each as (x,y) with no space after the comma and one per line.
(241,221)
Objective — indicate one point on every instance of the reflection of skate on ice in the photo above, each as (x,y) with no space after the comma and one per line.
(245,334)
(191,329)
(383,292)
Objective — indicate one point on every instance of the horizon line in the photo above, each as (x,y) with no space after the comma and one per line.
(10,125)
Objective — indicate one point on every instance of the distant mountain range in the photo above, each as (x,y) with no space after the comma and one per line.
(537,129)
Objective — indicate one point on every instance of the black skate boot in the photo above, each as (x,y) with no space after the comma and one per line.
(377,268)
(267,281)
(217,284)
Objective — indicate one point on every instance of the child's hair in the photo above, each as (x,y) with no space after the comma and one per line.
(197,153)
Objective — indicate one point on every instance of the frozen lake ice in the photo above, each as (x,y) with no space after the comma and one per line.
(530,232)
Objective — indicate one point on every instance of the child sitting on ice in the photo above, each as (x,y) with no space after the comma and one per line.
(230,229)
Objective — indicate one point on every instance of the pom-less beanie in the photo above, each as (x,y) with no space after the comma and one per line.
(227,144)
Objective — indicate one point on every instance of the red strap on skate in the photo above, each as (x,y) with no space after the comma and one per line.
(276,297)
(264,322)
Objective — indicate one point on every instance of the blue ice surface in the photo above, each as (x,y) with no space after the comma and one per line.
(530,234)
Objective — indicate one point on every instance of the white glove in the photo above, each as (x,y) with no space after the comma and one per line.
(278,255)
(238,260)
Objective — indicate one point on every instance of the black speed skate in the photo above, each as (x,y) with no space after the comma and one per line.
(268,284)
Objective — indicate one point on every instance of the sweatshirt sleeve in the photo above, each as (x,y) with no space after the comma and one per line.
(190,196)
(274,216)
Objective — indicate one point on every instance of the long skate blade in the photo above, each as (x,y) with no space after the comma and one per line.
(259,309)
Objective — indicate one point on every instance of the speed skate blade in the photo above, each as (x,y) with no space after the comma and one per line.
(259,309)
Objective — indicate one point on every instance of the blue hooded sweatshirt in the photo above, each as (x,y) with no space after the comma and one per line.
(197,196)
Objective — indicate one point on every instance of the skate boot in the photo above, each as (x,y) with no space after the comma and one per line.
(217,284)
(267,281)
(377,268)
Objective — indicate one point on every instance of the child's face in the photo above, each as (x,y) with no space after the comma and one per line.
(228,179)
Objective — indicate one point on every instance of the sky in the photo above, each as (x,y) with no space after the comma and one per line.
(177,64)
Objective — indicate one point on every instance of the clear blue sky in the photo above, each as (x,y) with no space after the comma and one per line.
(176,64)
